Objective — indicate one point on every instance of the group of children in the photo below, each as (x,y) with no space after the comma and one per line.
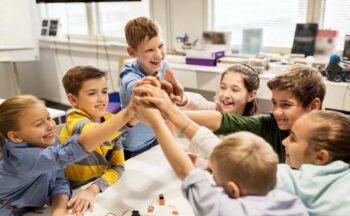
(314,145)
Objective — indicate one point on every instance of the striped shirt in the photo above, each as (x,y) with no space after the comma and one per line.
(105,164)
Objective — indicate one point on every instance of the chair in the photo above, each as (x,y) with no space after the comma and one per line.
(114,103)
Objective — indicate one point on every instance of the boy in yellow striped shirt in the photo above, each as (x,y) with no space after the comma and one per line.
(87,91)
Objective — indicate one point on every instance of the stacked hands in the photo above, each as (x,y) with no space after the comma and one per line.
(153,98)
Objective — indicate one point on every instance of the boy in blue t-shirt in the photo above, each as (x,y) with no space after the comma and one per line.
(147,46)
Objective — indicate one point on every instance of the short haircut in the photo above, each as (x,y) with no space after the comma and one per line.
(140,29)
(10,111)
(330,131)
(304,82)
(248,160)
(73,80)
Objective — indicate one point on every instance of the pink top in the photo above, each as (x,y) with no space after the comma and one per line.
(198,102)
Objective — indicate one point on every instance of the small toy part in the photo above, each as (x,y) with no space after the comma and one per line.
(135,213)
(150,209)
(174,212)
(161,199)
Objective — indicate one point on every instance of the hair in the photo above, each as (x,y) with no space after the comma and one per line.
(304,82)
(10,111)
(73,80)
(251,82)
(140,29)
(248,160)
(330,131)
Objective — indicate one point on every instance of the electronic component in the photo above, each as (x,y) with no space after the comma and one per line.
(161,199)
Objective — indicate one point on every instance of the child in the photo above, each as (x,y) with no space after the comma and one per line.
(147,46)
(318,148)
(244,186)
(298,91)
(87,91)
(237,93)
(31,171)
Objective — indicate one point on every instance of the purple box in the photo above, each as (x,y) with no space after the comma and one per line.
(201,61)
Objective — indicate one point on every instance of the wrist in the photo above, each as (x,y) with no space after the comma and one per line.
(94,189)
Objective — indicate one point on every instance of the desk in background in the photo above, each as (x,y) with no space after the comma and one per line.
(146,176)
(207,78)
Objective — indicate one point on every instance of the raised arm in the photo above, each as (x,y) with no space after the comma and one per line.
(207,118)
(91,139)
(177,158)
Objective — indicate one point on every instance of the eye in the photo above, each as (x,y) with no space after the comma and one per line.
(292,138)
(49,118)
(38,124)
(105,92)
(285,105)
(91,93)
(161,46)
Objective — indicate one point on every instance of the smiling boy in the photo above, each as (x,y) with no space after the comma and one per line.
(298,91)
(147,46)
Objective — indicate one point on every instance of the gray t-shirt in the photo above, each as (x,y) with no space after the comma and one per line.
(208,200)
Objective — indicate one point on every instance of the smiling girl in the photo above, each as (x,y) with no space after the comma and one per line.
(236,95)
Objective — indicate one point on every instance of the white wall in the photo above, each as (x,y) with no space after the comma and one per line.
(43,78)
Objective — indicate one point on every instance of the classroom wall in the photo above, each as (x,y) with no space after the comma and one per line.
(43,78)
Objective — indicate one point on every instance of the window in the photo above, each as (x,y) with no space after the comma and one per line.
(335,15)
(72,17)
(276,17)
(113,16)
(106,19)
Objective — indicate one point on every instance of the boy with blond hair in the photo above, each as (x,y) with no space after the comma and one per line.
(243,166)
(147,46)
(87,91)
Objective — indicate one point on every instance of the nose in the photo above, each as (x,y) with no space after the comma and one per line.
(158,54)
(277,111)
(285,141)
(51,125)
(226,93)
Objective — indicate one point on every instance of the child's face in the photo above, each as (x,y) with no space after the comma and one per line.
(286,108)
(297,147)
(150,54)
(36,126)
(232,95)
(93,98)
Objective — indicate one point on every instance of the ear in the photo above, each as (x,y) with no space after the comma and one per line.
(131,51)
(322,157)
(14,137)
(252,96)
(72,99)
(315,104)
(233,190)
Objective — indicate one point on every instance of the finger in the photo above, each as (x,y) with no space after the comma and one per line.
(76,205)
(91,207)
(167,87)
(85,208)
(72,202)
(151,80)
(80,207)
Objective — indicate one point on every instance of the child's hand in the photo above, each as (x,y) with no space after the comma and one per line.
(178,89)
(148,94)
(147,113)
(84,201)
(149,80)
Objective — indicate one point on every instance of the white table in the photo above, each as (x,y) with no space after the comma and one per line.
(54,113)
(146,176)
